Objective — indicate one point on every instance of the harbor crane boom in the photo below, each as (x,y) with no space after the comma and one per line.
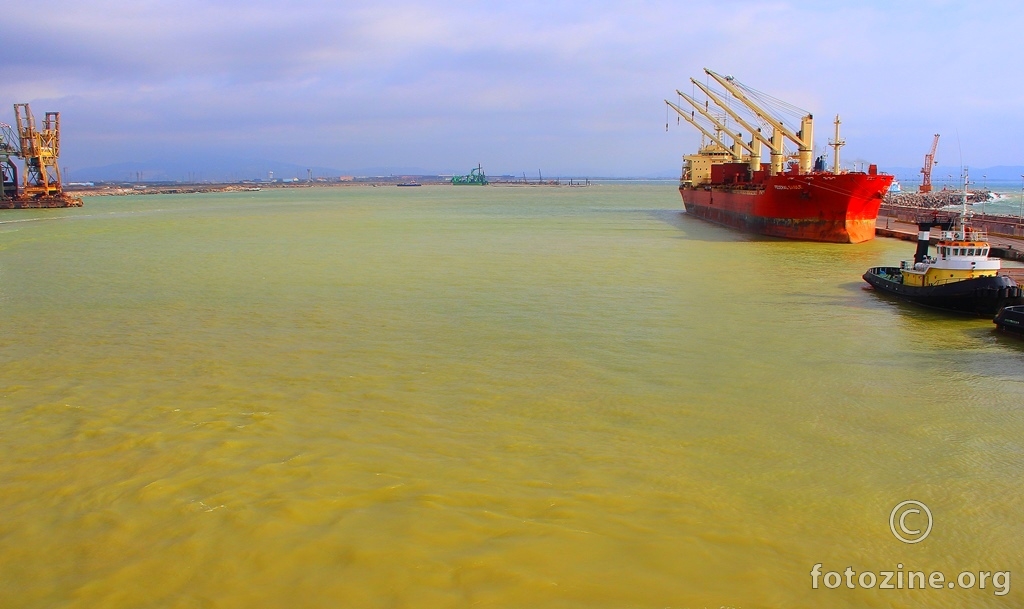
(735,135)
(714,138)
(804,139)
(756,132)
(929,162)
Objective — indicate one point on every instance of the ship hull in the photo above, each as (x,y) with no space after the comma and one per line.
(813,207)
(1011,320)
(983,296)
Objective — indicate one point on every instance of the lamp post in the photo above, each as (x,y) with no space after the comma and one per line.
(984,188)
(1021,217)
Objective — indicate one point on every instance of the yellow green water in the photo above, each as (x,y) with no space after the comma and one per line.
(481,397)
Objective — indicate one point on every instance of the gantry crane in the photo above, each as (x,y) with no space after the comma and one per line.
(929,162)
(40,149)
(8,170)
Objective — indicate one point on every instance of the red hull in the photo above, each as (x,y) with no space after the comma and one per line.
(818,206)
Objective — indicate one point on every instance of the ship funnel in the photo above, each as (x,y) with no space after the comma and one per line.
(924,235)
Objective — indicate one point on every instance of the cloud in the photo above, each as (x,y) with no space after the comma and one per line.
(572,87)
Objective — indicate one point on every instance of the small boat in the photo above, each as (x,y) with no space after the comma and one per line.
(1011,320)
(960,277)
(409,184)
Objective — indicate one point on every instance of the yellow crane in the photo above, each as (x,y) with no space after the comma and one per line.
(804,138)
(40,149)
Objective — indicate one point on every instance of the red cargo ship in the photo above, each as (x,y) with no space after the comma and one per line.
(793,196)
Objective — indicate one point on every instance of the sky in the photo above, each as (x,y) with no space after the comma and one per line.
(567,88)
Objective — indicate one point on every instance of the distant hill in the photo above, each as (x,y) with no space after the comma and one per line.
(238,169)
(232,170)
(222,170)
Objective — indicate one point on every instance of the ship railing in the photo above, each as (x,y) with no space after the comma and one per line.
(949,280)
(970,235)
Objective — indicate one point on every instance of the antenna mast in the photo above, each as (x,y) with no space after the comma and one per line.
(836,145)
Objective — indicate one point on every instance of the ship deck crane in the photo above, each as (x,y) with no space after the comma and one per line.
(737,155)
(774,145)
(929,162)
(804,139)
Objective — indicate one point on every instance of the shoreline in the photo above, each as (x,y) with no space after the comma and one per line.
(166,189)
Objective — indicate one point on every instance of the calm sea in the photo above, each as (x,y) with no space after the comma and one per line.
(482,397)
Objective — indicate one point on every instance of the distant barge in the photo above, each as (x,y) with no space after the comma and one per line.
(40,202)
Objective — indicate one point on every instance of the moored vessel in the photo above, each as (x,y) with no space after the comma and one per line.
(1011,320)
(960,276)
(792,196)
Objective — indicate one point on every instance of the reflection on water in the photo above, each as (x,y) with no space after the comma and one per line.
(496,397)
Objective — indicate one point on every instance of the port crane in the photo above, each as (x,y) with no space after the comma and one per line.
(40,184)
(40,149)
(929,162)
(8,170)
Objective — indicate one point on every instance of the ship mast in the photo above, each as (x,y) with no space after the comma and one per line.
(963,206)
(804,139)
(836,144)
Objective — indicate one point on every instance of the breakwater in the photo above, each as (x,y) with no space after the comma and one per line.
(936,199)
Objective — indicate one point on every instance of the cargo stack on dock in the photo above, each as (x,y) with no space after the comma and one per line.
(40,185)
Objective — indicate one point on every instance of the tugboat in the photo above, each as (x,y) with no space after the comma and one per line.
(960,277)
(1011,320)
